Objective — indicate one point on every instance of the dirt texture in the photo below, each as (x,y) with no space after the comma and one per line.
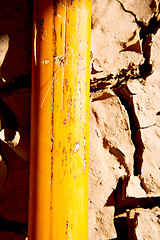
(124,120)
(124,183)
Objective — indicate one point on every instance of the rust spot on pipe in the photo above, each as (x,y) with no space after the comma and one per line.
(70,148)
(64,150)
(66,84)
(69,137)
(61,31)
(67,224)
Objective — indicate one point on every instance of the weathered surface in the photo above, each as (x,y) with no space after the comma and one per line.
(109,35)
(124,197)
(149,219)
(125,122)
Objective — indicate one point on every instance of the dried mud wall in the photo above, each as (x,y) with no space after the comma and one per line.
(124,195)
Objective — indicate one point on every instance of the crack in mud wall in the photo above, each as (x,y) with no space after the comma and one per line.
(145,34)
(137,190)
(126,224)
(127,100)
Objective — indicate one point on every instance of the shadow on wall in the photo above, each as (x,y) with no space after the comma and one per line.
(126,224)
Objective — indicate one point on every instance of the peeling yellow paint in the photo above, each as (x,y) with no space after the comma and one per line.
(71,120)
(58,207)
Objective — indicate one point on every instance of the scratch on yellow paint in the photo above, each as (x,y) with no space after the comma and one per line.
(59,166)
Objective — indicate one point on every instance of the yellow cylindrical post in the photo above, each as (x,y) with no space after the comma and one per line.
(58,204)
(41,107)
(70,133)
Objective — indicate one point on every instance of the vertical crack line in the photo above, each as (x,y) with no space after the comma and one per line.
(132,221)
(127,101)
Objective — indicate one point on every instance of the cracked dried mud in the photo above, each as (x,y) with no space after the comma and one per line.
(125,87)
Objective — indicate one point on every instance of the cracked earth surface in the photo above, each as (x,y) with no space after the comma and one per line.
(125,87)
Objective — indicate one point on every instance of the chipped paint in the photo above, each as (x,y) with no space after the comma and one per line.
(79,94)
(64,150)
(84,165)
(67,224)
(76,147)
(66,156)
(70,125)
(69,137)
(84,142)
(46,61)
(70,150)
(66,84)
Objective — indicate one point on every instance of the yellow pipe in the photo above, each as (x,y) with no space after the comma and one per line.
(70,152)
(41,107)
(58,204)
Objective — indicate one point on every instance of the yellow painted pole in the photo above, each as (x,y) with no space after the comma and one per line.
(58,204)
(70,133)
(41,107)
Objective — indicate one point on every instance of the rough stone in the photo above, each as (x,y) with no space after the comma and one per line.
(124,119)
